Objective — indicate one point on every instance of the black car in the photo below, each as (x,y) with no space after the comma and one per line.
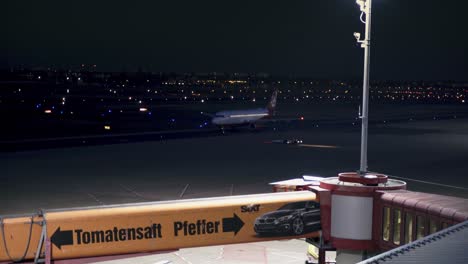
(293,218)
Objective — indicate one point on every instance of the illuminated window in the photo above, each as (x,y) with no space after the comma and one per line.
(420,227)
(396,226)
(408,228)
(386,224)
(444,225)
(432,226)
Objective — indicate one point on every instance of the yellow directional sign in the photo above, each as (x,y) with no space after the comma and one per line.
(146,227)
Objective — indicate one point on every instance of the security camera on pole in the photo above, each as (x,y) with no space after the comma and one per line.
(348,223)
(365,7)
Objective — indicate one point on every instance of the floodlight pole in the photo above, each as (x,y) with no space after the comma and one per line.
(366,8)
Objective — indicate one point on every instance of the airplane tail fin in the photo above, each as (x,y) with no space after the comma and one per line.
(272,104)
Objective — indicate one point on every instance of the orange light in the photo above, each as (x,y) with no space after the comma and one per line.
(48,111)
(143,109)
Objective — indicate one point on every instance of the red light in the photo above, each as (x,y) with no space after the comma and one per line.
(301,118)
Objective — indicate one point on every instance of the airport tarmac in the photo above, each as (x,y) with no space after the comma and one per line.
(243,162)
(237,163)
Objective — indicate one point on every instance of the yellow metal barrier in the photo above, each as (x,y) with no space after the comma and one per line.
(159,226)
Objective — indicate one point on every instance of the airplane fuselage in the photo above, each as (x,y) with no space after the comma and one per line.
(239,117)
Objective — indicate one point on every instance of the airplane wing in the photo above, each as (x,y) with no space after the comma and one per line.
(280,119)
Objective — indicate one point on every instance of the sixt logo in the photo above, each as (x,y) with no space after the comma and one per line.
(250,208)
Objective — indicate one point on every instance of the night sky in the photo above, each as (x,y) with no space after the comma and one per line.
(412,39)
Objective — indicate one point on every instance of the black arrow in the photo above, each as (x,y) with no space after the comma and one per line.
(62,238)
(233,224)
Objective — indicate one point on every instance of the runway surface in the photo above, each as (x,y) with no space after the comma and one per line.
(237,163)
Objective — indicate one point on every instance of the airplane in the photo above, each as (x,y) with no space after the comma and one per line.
(248,117)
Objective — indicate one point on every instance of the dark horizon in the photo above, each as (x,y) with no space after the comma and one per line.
(412,40)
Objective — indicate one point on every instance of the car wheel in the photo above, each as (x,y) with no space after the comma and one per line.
(297,226)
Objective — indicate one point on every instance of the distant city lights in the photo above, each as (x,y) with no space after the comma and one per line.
(104,96)
(236,81)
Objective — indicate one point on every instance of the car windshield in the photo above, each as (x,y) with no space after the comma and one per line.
(293,206)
